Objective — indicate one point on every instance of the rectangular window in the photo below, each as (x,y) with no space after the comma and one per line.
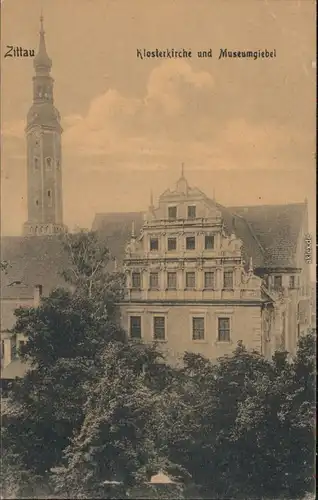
(190,280)
(159,328)
(154,244)
(154,281)
(228,279)
(209,280)
(197,328)
(135,327)
(209,242)
(224,330)
(192,211)
(172,212)
(190,243)
(172,281)
(172,244)
(292,282)
(136,280)
(278,281)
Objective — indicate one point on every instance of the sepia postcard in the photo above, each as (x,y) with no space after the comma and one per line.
(158,289)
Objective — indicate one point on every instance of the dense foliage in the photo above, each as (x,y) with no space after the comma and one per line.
(96,407)
(243,428)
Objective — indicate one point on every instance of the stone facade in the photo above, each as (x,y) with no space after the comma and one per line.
(20,296)
(188,286)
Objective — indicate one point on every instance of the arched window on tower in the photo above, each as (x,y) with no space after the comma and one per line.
(36,163)
(37,202)
(58,164)
(50,200)
(48,163)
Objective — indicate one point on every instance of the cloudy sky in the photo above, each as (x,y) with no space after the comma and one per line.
(243,128)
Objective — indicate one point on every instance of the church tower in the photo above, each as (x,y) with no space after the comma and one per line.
(44,161)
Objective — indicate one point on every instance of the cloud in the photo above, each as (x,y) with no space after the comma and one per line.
(117,125)
(168,81)
(13,129)
(179,118)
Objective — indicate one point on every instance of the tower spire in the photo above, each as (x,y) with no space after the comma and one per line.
(42,62)
(151,199)
(44,165)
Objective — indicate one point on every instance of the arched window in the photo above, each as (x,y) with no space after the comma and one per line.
(49,195)
(48,162)
(58,164)
(36,163)
(37,202)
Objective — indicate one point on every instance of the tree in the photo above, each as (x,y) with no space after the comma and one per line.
(279,418)
(117,440)
(200,434)
(66,336)
(89,270)
(243,427)
(84,375)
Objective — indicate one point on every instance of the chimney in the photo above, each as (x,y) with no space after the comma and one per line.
(37,295)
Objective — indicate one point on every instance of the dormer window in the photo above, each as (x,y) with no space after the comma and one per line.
(172,213)
(192,210)
(48,163)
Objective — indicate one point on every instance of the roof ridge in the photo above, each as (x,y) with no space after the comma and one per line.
(299,203)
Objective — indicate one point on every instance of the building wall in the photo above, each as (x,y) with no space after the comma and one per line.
(11,342)
(245,326)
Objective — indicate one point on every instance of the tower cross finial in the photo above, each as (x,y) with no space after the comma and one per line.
(41,22)
(182,169)
(151,198)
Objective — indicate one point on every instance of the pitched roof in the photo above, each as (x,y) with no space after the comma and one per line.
(8,308)
(277,228)
(269,232)
(33,260)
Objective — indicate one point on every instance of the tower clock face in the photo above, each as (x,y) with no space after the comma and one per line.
(37,134)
